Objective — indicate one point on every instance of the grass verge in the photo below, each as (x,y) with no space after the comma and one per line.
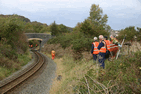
(80,77)
(71,74)
(22,60)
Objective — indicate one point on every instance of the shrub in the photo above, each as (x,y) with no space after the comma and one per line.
(78,41)
(125,72)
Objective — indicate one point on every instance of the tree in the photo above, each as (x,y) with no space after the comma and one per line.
(138,34)
(77,27)
(95,24)
(96,16)
(62,29)
(54,29)
(37,26)
(29,28)
(130,32)
(86,28)
(107,28)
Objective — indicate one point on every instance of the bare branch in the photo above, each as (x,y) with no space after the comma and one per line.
(87,85)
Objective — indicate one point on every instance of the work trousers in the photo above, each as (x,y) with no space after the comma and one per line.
(101,59)
(53,56)
(95,56)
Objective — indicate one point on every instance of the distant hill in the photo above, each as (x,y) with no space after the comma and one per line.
(36,24)
(21,17)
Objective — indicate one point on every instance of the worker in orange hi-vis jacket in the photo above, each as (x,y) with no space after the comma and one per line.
(31,45)
(94,50)
(53,54)
(108,50)
(114,45)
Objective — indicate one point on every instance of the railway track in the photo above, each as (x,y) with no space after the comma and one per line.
(9,85)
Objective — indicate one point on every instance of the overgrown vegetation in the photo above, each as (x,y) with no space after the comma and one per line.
(13,45)
(130,33)
(84,76)
(121,76)
(13,42)
(82,36)
(37,27)
(80,74)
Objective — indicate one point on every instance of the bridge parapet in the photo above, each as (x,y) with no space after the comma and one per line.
(38,35)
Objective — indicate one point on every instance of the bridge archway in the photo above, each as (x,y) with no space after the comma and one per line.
(35,39)
(38,39)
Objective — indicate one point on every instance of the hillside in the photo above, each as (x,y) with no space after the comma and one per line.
(14,51)
(22,18)
(34,26)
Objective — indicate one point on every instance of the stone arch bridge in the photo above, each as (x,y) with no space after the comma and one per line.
(42,37)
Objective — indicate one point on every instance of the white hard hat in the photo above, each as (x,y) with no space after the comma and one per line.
(95,38)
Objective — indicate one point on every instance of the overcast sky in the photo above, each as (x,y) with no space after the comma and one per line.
(121,13)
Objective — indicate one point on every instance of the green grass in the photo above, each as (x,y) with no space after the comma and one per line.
(22,59)
(4,72)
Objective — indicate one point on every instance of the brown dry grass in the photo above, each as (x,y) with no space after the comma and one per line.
(6,62)
(70,76)
(60,52)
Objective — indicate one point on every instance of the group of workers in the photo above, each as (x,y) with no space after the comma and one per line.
(31,45)
(104,48)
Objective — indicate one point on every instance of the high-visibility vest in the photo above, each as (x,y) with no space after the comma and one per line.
(113,46)
(107,44)
(103,49)
(95,51)
(53,53)
(31,46)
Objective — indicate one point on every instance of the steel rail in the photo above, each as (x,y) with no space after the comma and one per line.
(21,78)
